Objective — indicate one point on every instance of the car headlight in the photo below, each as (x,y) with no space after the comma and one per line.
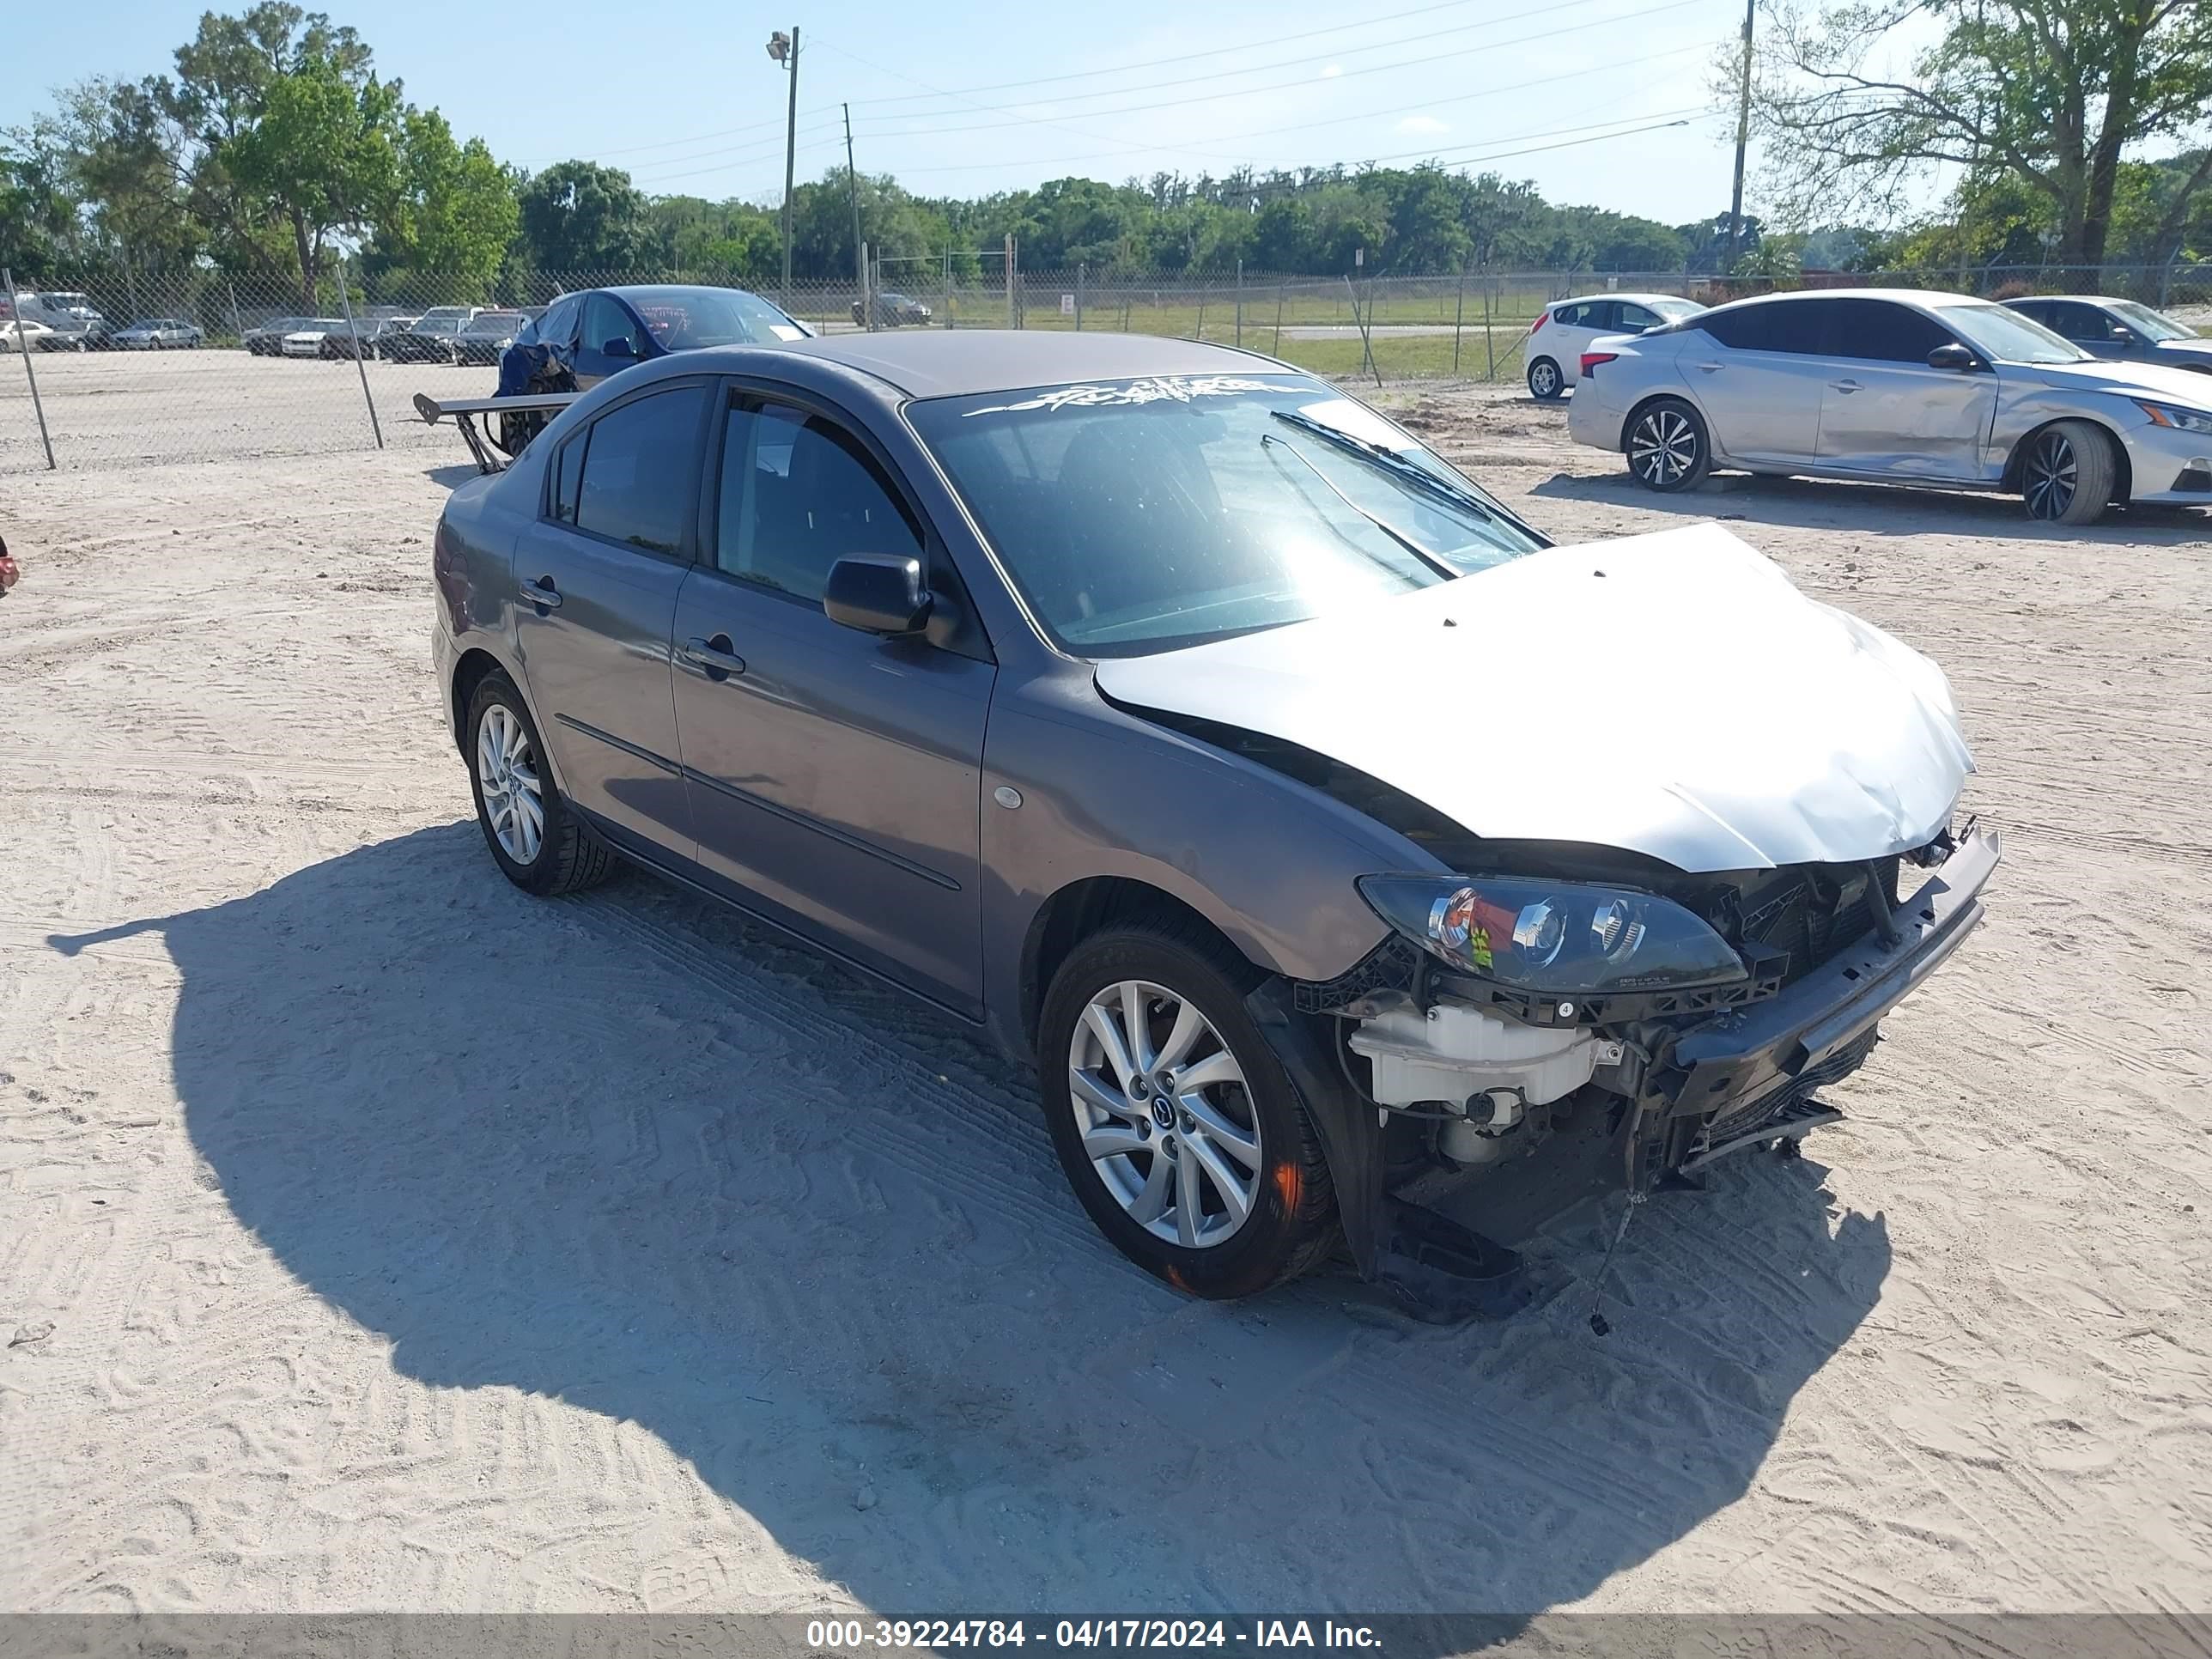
(1554,937)
(2182,420)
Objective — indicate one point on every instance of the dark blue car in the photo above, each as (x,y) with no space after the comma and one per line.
(584,337)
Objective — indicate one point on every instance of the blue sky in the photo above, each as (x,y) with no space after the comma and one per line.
(968,98)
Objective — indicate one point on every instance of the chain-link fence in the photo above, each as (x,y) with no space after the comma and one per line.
(125,366)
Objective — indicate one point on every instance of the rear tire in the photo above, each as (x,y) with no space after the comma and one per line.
(2069,474)
(1546,383)
(1667,447)
(539,842)
(1243,1127)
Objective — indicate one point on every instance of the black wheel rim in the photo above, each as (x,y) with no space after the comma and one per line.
(2053,476)
(1664,448)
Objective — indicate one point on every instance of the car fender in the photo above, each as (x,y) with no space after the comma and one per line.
(1074,789)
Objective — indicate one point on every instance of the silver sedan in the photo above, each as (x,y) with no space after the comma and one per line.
(1897,387)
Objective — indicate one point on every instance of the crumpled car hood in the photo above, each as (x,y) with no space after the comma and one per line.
(1672,693)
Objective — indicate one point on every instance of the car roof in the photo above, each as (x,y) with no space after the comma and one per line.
(1641,299)
(953,363)
(2078,298)
(1912,296)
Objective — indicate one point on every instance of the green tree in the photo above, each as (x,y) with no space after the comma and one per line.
(578,216)
(2052,93)
(323,157)
(453,210)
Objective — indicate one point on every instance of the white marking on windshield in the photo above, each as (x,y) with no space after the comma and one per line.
(1157,389)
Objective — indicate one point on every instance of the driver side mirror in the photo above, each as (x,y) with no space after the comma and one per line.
(618,347)
(1952,355)
(877,593)
(2122,334)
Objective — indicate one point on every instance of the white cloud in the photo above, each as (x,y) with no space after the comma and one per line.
(1422,126)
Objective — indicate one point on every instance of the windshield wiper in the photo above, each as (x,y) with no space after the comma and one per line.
(1390,460)
(1433,560)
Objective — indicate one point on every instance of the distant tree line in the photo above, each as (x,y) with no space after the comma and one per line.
(274,145)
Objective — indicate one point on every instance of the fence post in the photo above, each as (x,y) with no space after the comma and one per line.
(1277,349)
(354,335)
(23,350)
(1006,269)
(1459,316)
(1489,338)
(237,323)
(1200,333)
(948,285)
(1240,302)
(1366,341)
(1081,271)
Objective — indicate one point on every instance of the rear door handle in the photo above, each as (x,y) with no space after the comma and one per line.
(1844,387)
(713,657)
(542,592)
(1710,368)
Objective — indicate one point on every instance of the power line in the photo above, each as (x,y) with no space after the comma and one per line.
(1298,126)
(828,120)
(1682,119)
(1247,91)
(1249,69)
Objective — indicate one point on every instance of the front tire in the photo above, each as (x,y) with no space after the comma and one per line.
(1175,1122)
(1667,447)
(2069,474)
(539,842)
(1546,383)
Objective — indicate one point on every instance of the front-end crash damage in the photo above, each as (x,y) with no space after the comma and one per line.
(1451,1069)
(1674,881)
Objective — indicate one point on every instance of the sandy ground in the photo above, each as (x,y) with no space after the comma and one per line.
(373,1236)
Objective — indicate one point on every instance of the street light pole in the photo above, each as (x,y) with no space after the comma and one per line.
(784,48)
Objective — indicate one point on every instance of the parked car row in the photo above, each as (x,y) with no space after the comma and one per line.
(1898,387)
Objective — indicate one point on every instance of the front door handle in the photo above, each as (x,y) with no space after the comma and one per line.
(542,592)
(1844,387)
(713,657)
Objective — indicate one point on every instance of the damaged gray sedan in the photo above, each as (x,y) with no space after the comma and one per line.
(1310,822)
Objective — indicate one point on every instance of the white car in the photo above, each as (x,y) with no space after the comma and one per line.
(157,334)
(313,339)
(34,336)
(1895,385)
(1563,331)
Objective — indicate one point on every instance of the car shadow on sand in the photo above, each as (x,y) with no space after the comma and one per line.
(630,1151)
(1876,509)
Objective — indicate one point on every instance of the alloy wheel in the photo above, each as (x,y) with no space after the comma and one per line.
(2053,475)
(1164,1115)
(1664,448)
(513,798)
(1544,379)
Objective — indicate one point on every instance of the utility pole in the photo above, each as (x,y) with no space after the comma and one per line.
(859,248)
(1742,140)
(784,48)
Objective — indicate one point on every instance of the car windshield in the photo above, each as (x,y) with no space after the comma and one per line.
(2006,337)
(439,325)
(691,318)
(495,322)
(1139,516)
(2151,325)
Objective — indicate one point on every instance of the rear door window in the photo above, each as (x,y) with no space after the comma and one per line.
(1802,327)
(1585,313)
(639,481)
